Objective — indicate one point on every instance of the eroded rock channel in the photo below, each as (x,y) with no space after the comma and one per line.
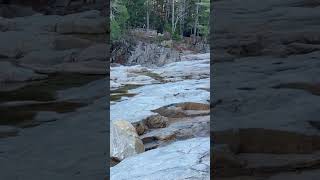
(168,108)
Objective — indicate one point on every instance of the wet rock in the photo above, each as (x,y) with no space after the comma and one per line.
(7,131)
(47,116)
(187,159)
(12,73)
(15,44)
(5,24)
(311,174)
(12,11)
(89,22)
(259,140)
(124,140)
(226,163)
(275,163)
(86,93)
(45,58)
(92,67)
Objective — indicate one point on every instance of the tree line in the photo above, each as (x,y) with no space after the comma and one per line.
(180,18)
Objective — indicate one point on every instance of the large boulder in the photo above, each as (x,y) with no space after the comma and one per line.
(124,140)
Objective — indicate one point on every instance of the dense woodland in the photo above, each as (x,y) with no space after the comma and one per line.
(180,18)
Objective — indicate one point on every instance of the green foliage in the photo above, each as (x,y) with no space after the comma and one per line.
(119,18)
(115,30)
(126,14)
(204,16)
(136,11)
(176,36)
(167,27)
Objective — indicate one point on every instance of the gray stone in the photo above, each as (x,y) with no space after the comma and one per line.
(124,140)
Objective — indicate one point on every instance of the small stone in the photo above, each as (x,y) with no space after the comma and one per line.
(140,127)
(157,121)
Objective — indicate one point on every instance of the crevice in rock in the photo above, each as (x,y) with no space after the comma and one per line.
(315,124)
(258,140)
(313,88)
(158,130)
(246,88)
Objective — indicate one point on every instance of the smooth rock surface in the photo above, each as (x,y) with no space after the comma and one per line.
(188,159)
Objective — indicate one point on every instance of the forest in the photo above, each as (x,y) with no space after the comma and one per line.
(179,18)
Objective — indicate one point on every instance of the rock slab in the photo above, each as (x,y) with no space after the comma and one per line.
(188,159)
